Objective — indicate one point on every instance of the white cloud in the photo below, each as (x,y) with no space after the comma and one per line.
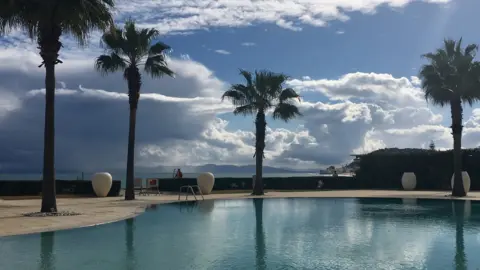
(368,87)
(288,25)
(340,32)
(179,120)
(223,52)
(185,56)
(248,44)
(185,16)
(179,124)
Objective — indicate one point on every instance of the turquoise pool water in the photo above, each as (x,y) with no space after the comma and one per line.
(265,234)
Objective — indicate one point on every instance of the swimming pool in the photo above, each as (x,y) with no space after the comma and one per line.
(290,233)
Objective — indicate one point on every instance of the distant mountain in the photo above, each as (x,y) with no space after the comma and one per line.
(223,169)
(240,169)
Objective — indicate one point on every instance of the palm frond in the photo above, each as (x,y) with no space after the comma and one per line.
(286,112)
(247,76)
(262,92)
(75,17)
(471,50)
(110,63)
(452,73)
(275,83)
(248,92)
(145,37)
(156,66)
(245,110)
(158,48)
(114,41)
(287,94)
(449,46)
(261,82)
(236,97)
(135,44)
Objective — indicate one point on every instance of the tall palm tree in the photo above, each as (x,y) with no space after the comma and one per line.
(258,95)
(452,77)
(45,21)
(128,50)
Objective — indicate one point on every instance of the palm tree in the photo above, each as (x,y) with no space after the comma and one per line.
(45,21)
(451,78)
(129,49)
(259,95)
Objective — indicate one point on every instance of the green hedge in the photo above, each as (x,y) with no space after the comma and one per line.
(279,183)
(383,169)
(33,188)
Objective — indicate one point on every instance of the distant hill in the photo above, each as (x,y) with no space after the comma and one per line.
(223,169)
(240,169)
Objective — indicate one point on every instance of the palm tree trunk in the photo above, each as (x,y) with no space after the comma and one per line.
(134,84)
(49,44)
(260,126)
(456,109)
(129,191)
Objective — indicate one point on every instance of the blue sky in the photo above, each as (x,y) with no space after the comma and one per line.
(391,41)
(353,62)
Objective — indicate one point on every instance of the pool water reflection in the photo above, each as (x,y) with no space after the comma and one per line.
(265,234)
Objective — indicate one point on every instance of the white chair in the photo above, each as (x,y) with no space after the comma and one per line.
(138,185)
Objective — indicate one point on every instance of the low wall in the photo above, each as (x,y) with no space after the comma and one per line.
(32,188)
(279,183)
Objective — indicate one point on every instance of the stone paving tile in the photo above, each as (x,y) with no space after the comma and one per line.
(102,210)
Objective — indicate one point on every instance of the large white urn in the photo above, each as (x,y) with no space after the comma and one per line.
(466,181)
(205,182)
(409,181)
(101,182)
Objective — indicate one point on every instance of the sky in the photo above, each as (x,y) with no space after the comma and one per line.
(354,62)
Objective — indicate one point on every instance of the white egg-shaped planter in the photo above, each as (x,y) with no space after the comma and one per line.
(409,181)
(466,181)
(205,182)
(102,182)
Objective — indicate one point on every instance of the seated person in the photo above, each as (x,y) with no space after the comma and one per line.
(179,174)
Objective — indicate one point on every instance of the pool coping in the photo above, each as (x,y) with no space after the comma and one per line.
(114,209)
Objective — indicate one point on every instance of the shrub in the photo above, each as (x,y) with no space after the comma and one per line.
(383,169)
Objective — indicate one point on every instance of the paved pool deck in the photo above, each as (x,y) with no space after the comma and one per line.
(96,211)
